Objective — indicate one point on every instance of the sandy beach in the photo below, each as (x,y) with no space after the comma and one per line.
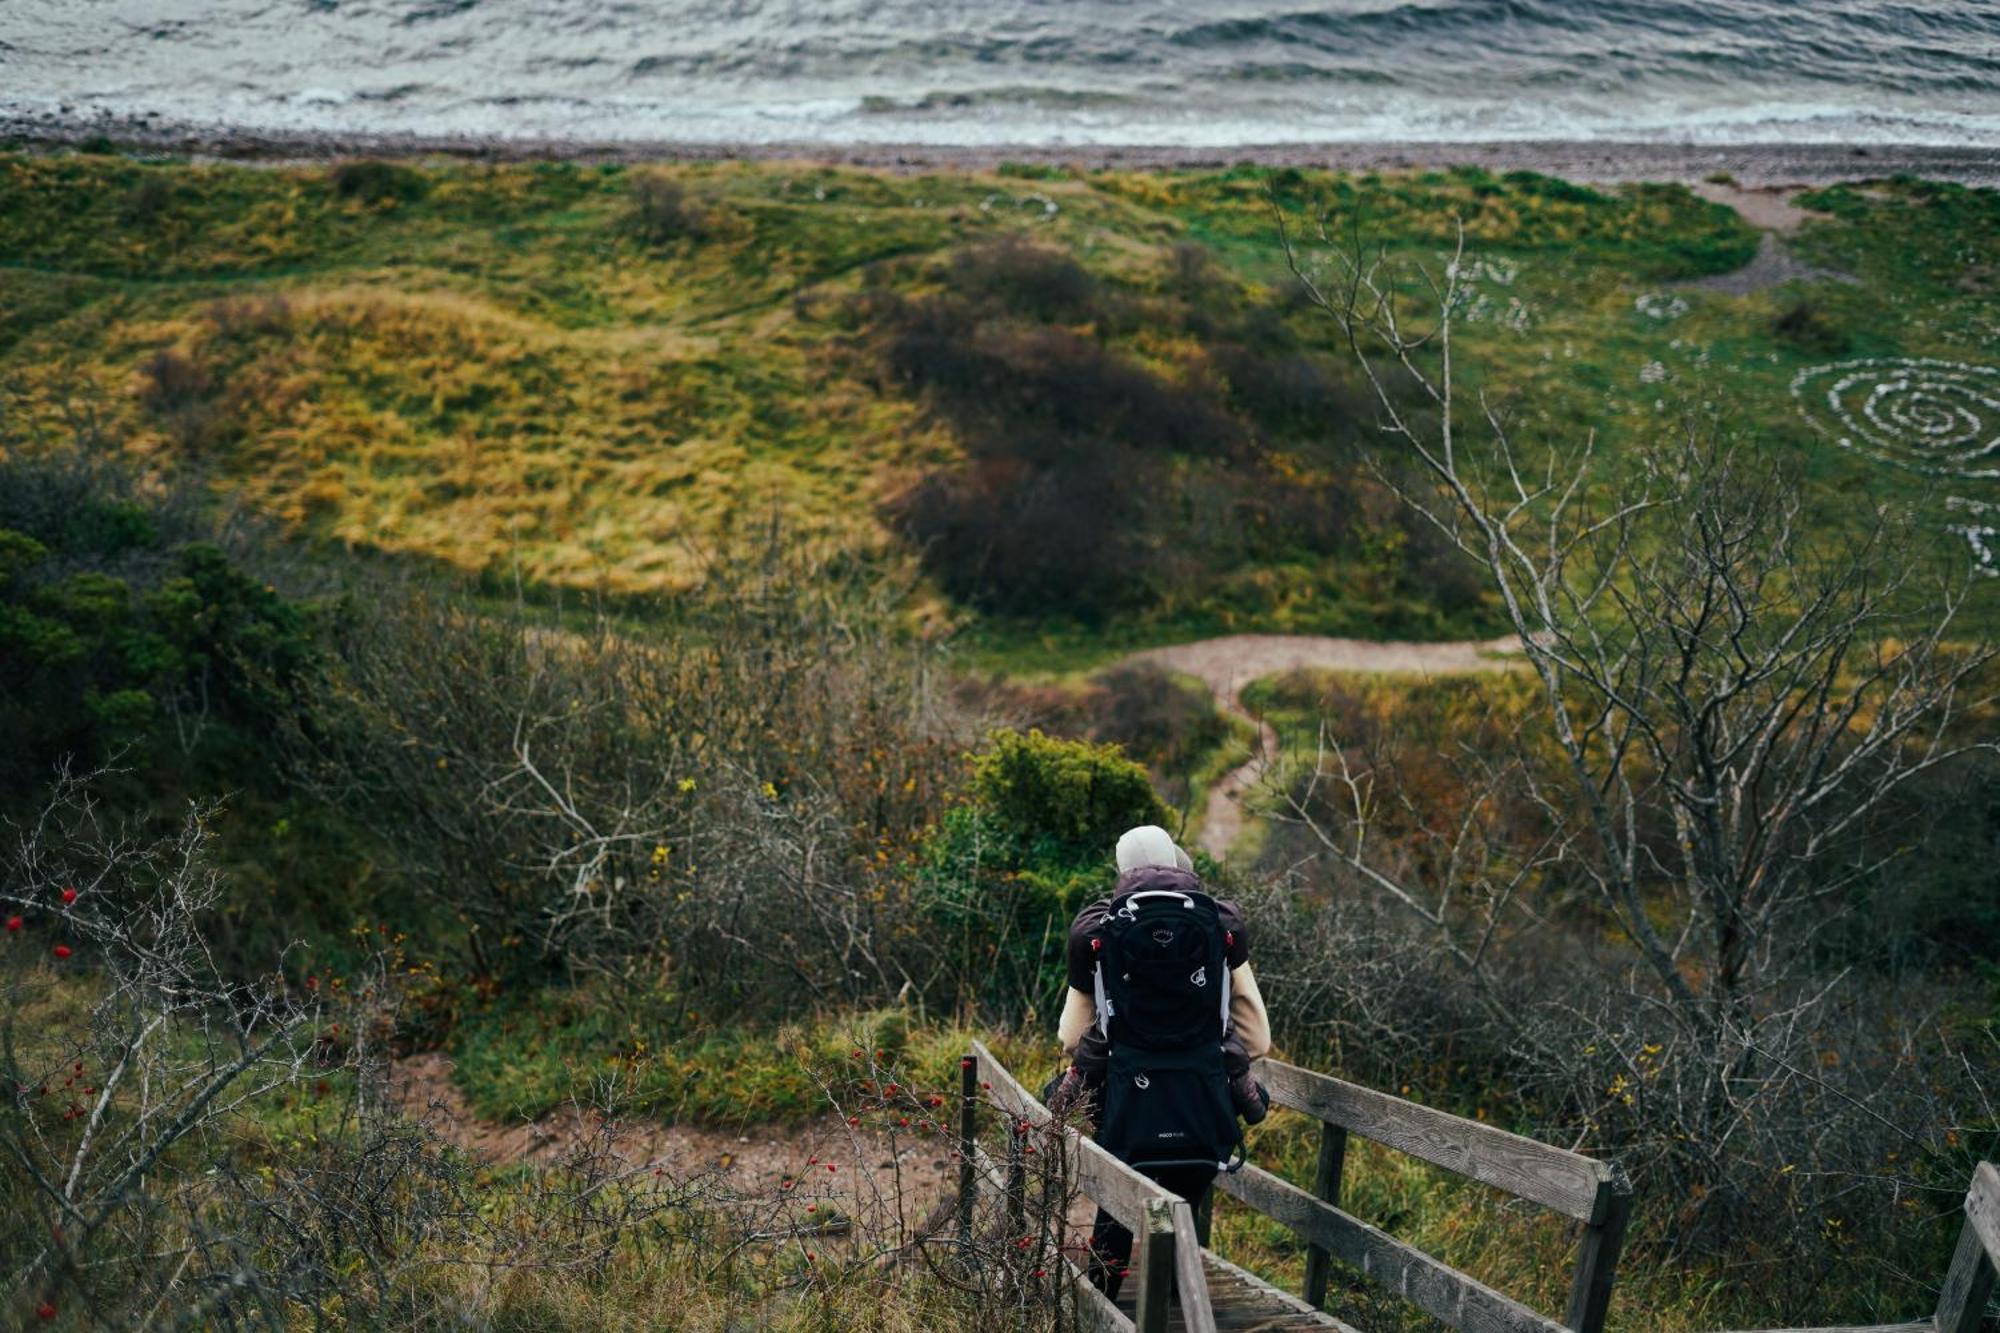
(1750,165)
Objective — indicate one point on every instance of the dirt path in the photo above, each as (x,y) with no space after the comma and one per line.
(872,1169)
(1228,664)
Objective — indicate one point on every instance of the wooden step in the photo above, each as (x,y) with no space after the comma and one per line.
(1244,1303)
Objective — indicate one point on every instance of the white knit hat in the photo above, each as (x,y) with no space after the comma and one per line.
(1150,845)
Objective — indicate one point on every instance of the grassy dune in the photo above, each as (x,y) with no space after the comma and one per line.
(521,370)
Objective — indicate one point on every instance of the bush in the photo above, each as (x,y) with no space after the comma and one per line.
(178,391)
(1071,797)
(373,183)
(146,202)
(121,626)
(1026,279)
(720,796)
(661,210)
(1029,539)
(1806,327)
(1006,869)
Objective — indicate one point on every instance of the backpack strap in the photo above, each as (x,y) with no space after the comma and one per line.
(1226,997)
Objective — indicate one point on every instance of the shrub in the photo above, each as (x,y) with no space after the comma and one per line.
(1808,328)
(1006,869)
(146,202)
(661,210)
(178,391)
(373,182)
(119,625)
(1072,796)
(1028,539)
(1026,279)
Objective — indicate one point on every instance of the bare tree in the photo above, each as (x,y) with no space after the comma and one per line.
(1735,701)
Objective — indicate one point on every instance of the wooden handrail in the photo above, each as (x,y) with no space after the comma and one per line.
(1968,1283)
(1430,1284)
(1558,1179)
(1107,1182)
(1592,1192)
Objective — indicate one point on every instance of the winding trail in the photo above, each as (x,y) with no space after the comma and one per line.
(1227,664)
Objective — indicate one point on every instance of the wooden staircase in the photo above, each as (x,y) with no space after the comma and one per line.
(1176,1283)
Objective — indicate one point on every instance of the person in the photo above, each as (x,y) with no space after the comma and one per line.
(1150,863)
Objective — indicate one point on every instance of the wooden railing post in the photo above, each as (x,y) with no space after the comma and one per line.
(1326,1186)
(1597,1255)
(1968,1283)
(968,1144)
(1017,1177)
(1153,1263)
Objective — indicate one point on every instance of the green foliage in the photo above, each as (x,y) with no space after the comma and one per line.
(113,635)
(1062,799)
(1004,872)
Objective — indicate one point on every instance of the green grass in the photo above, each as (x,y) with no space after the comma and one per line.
(485,366)
(523,1055)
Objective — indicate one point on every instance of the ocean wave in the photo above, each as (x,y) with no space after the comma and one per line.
(1191,72)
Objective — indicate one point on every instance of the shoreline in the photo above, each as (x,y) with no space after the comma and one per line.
(1754,165)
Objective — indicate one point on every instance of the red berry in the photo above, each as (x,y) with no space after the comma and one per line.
(13,923)
(854,1120)
(62,951)
(831,1168)
(46,1310)
(889,1091)
(69,896)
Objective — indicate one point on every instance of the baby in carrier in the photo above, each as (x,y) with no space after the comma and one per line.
(1161,1021)
(1149,859)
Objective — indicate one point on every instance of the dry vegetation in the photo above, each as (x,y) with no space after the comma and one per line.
(685,854)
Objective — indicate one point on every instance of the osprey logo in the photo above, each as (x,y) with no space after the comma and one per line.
(1200,977)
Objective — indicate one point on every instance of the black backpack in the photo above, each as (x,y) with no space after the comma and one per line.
(1162,993)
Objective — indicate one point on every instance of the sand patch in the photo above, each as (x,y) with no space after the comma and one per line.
(1773,266)
(1770,207)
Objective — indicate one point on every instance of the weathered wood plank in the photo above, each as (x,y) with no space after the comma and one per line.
(1982,1209)
(1326,1187)
(1462,1302)
(1192,1279)
(1153,1265)
(1917,1326)
(1553,1177)
(1968,1283)
(1269,1299)
(968,1143)
(1597,1255)
(1094,1307)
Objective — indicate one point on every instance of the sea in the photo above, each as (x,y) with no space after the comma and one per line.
(989,72)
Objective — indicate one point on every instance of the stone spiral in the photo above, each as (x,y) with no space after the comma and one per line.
(1937,417)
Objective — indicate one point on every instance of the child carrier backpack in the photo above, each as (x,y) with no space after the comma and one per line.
(1162,993)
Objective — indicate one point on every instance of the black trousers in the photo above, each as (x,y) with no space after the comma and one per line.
(1111,1240)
